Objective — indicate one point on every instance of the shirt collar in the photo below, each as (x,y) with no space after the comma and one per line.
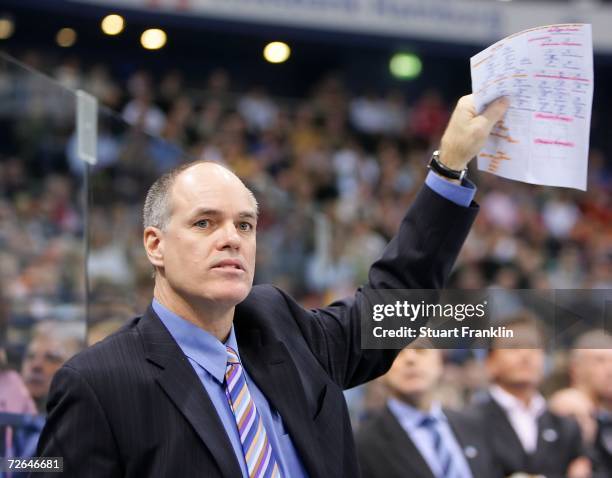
(411,417)
(510,403)
(200,346)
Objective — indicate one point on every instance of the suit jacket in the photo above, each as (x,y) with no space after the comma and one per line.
(559,442)
(132,405)
(385,450)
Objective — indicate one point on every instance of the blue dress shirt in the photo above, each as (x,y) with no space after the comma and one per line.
(208,357)
(459,194)
(410,418)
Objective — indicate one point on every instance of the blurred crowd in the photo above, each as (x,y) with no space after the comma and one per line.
(333,171)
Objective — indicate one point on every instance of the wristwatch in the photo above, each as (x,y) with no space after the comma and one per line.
(438,167)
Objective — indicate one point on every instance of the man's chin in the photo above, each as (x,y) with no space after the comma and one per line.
(230,295)
(523,383)
(411,396)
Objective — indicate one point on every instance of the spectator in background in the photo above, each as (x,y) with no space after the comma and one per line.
(413,435)
(258,109)
(103,329)
(19,425)
(372,114)
(100,84)
(16,406)
(590,369)
(528,437)
(171,87)
(141,111)
(14,396)
(53,343)
(569,402)
(429,116)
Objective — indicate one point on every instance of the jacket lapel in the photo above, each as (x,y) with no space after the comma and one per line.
(401,446)
(548,441)
(180,382)
(506,439)
(469,441)
(269,364)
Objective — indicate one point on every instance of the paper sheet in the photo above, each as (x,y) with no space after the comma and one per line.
(547,72)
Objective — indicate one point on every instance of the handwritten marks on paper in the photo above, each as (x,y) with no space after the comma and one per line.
(547,72)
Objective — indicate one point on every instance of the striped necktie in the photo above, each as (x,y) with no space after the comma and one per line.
(447,466)
(258,453)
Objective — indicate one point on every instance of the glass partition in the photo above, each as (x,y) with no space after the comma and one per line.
(42,248)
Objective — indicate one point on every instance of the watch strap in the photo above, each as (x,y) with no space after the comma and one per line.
(436,166)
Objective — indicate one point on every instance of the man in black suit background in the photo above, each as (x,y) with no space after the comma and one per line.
(219,378)
(525,435)
(590,368)
(413,436)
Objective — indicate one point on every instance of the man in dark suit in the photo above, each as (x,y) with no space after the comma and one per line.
(525,435)
(413,436)
(220,378)
(590,369)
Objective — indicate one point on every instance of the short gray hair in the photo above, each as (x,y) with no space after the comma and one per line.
(591,339)
(156,210)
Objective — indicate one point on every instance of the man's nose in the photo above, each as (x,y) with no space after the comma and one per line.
(229,236)
(35,364)
(409,357)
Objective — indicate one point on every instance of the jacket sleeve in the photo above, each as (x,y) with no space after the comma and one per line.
(420,256)
(77,430)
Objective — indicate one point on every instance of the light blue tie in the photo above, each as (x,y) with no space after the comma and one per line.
(445,458)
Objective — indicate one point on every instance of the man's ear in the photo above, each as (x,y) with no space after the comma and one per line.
(154,245)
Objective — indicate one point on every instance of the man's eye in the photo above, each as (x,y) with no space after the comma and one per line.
(203,223)
(55,358)
(246,226)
